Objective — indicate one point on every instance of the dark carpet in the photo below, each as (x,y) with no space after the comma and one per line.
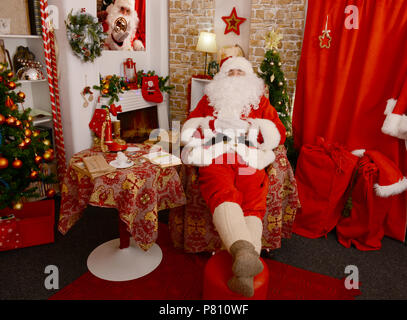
(382,273)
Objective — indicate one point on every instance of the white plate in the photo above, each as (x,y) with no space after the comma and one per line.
(117,165)
(132,149)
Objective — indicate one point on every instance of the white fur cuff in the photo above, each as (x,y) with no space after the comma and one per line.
(394,189)
(270,133)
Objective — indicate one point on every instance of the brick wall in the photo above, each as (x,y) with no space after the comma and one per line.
(188,17)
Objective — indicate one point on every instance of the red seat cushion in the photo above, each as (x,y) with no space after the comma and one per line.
(218,271)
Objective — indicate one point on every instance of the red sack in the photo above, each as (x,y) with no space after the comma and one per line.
(376,182)
(97,121)
(323,174)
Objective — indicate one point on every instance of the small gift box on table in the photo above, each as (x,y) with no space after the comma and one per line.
(31,226)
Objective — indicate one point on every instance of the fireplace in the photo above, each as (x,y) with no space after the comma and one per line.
(136,125)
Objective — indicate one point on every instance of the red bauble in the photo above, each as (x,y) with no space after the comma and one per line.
(18,123)
(22,145)
(48,156)
(2,119)
(27,133)
(21,95)
(27,141)
(34,175)
(10,75)
(38,159)
(51,193)
(11,85)
(17,164)
(11,121)
(3,163)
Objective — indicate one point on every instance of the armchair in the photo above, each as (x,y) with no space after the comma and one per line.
(191,226)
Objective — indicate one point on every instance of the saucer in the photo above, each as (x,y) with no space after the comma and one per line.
(118,165)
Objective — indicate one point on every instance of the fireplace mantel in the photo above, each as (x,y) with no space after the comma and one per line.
(133,100)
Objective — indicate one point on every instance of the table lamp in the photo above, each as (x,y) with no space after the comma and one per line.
(207,44)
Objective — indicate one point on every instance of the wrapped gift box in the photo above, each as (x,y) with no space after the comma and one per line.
(33,225)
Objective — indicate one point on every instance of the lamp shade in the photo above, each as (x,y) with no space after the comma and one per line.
(206,42)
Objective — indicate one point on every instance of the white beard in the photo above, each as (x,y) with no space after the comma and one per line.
(132,24)
(234,97)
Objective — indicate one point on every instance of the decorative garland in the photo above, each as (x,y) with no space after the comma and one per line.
(85,35)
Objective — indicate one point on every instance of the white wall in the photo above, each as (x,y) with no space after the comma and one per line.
(76,75)
(224,8)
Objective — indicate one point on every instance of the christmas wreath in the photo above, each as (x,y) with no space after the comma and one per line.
(85,35)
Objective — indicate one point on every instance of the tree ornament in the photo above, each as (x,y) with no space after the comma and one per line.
(18,123)
(14,107)
(17,163)
(273,39)
(10,75)
(3,163)
(34,175)
(27,141)
(27,133)
(11,85)
(21,95)
(79,28)
(30,118)
(18,206)
(2,67)
(50,193)
(11,121)
(105,91)
(233,22)
(280,84)
(272,63)
(2,119)
(9,102)
(38,159)
(36,133)
(48,156)
(47,142)
(325,39)
(22,145)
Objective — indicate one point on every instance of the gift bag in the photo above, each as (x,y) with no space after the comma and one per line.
(323,173)
(376,183)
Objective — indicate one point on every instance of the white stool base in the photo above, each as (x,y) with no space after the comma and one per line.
(109,262)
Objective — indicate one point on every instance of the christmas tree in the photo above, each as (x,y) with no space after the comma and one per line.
(23,148)
(273,76)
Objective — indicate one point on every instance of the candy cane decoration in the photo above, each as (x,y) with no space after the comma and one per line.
(49,50)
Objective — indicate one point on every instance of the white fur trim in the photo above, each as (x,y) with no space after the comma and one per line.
(270,133)
(391,124)
(391,104)
(403,127)
(391,190)
(191,125)
(256,158)
(237,63)
(359,153)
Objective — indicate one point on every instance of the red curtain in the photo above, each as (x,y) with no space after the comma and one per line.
(141,11)
(342,91)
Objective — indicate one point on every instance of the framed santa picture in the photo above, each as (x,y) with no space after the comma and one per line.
(124,22)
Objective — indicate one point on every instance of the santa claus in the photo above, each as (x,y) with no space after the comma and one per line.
(231,135)
(121,26)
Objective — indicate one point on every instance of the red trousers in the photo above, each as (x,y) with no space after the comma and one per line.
(234,181)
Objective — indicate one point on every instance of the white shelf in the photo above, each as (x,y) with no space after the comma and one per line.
(43,120)
(20,36)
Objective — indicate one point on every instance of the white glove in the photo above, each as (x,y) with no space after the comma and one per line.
(231,124)
(120,36)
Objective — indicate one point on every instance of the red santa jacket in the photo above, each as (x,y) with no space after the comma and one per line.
(265,128)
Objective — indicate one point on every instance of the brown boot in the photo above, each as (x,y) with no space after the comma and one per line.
(242,285)
(246,261)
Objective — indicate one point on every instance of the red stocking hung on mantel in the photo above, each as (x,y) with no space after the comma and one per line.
(352,84)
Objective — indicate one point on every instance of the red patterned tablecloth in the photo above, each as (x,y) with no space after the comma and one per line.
(191,226)
(138,193)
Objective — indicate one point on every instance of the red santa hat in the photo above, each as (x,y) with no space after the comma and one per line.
(231,63)
(390,180)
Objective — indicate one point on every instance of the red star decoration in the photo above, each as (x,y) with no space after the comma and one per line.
(233,22)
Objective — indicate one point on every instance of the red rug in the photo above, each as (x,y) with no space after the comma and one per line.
(180,277)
